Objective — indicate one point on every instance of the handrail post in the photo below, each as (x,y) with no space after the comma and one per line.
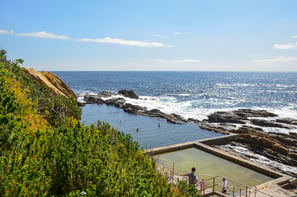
(213,184)
(240,191)
(173,172)
(233,191)
(246,191)
(249,191)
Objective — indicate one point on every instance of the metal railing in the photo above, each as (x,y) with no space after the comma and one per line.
(214,183)
(235,188)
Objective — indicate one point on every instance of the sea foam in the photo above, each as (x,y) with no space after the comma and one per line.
(200,108)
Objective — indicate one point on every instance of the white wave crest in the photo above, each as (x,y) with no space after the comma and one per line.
(200,108)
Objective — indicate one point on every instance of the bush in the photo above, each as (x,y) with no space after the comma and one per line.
(45,150)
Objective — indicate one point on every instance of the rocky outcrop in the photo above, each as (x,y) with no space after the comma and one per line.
(245,113)
(244,122)
(226,117)
(223,120)
(52,81)
(240,116)
(268,123)
(273,146)
(129,94)
(287,121)
(254,117)
(118,100)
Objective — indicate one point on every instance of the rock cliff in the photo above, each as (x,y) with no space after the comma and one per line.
(52,81)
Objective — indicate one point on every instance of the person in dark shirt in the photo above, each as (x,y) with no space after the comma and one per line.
(193,180)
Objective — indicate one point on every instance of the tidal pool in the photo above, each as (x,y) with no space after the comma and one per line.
(148,132)
(208,165)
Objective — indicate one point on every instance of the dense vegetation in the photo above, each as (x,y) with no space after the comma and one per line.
(46,151)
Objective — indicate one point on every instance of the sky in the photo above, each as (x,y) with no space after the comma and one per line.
(159,35)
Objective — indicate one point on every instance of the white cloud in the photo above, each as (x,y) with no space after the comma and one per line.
(43,34)
(6,31)
(275,60)
(108,40)
(171,62)
(285,46)
(177,33)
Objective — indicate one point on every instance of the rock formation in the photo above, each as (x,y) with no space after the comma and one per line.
(129,94)
(244,122)
(275,146)
(118,100)
(52,81)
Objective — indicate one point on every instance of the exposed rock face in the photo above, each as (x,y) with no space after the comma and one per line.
(239,116)
(129,94)
(244,116)
(273,146)
(53,82)
(111,98)
(268,123)
(253,113)
(244,122)
(229,117)
(287,121)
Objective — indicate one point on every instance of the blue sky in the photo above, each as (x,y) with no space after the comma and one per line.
(188,35)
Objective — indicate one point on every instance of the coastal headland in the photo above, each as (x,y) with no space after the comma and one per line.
(247,123)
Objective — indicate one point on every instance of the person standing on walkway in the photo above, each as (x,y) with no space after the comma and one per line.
(193,180)
(224,185)
(203,186)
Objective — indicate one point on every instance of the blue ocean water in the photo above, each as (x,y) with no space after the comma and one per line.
(190,94)
(204,90)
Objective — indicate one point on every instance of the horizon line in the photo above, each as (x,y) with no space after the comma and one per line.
(171,71)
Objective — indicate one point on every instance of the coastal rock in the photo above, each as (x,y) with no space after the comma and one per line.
(226,117)
(245,113)
(221,128)
(268,123)
(287,121)
(129,94)
(173,118)
(133,109)
(51,81)
(110,98)
(90,99)
(277,147)
(246,129)
(239,116)
(290,140)
(243,116)
(274,146)
(266,145)
(180,118)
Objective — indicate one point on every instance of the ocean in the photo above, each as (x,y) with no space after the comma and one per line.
(189,94)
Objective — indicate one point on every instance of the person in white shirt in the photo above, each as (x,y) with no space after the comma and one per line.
(224,186)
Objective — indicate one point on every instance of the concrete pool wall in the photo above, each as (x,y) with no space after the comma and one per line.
(273,187)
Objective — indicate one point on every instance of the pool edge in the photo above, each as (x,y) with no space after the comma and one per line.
(273,185)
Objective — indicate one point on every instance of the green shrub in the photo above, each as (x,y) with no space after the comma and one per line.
(46,151)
